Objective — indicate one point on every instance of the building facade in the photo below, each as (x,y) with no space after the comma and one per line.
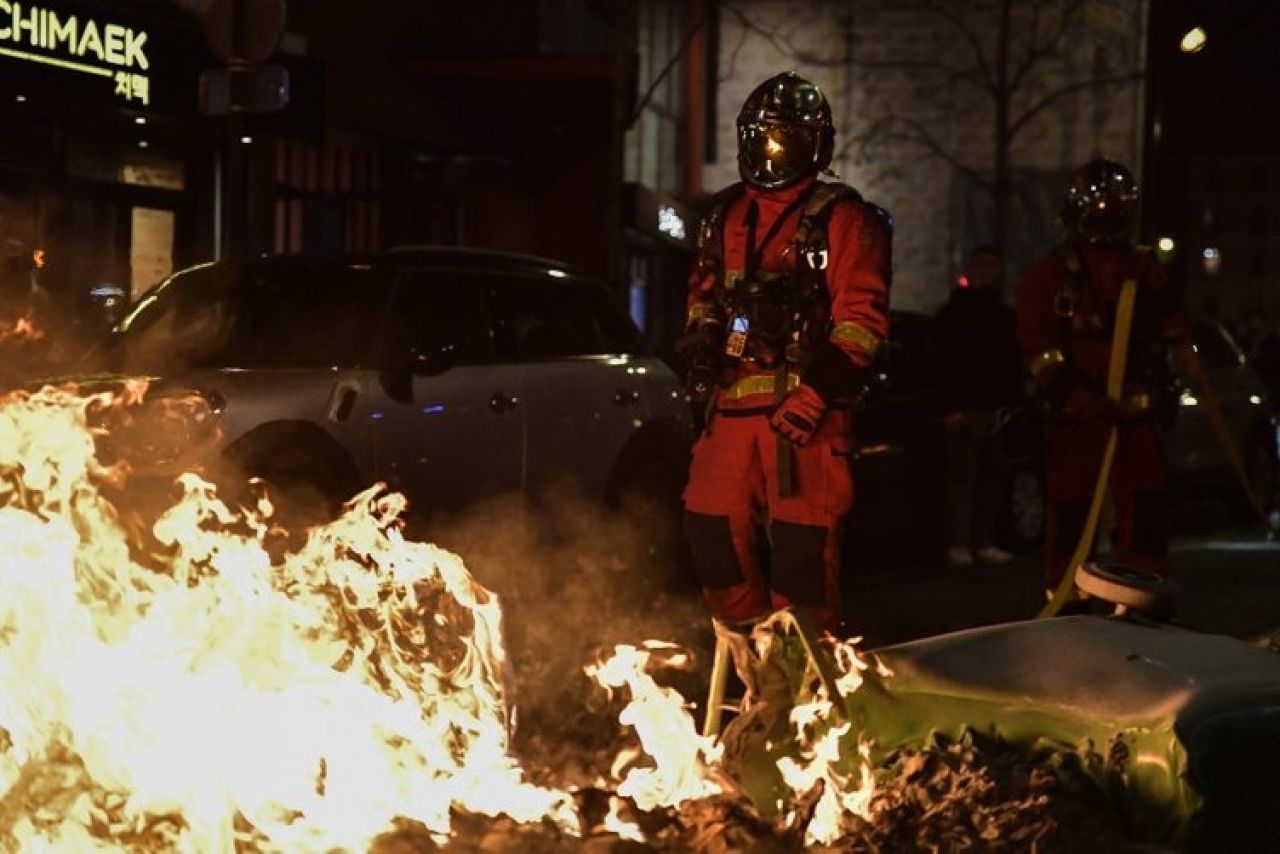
(917,90)
(565,128)
(108,173)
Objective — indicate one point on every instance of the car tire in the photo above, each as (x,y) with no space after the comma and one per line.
(1120,584)
(305,488)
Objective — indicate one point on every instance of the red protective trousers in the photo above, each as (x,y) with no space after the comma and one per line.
(1136,490)
(733,500)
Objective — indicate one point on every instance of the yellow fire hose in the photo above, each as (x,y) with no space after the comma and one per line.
(1115,386)
(1217,422)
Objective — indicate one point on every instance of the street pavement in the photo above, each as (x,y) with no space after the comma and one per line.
(1229,575)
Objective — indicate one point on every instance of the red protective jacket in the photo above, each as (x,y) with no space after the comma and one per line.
(856,274)
(1065,324)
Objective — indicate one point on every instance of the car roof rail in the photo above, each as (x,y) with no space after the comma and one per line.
(470,255)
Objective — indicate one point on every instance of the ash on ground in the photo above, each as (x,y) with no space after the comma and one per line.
(972,795)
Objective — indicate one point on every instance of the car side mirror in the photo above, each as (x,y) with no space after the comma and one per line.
(405,363)
(429,361)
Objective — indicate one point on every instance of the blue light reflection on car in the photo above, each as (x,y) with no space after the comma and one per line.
(433,409)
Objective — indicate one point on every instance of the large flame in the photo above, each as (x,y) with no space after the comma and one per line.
(203,692)
(682,759)
(829,759)
(210,698)
(824,754)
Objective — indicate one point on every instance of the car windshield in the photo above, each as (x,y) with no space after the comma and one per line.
(212,317)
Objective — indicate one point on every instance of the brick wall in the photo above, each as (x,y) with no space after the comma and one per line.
(883,65)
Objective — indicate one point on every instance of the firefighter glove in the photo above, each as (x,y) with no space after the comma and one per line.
(798,416)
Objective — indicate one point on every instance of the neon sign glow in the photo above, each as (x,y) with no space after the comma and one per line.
(35,34)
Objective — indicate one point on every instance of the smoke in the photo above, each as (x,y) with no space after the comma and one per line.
(574,578)
(41,337)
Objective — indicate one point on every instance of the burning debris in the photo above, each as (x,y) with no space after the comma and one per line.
(202,690)
(22,327)
(308,699)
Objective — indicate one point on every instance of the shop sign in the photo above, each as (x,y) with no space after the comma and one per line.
(80,43)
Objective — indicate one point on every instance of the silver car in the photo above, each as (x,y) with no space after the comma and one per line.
(450,374)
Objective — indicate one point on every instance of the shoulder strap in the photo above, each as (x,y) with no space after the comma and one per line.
(811,234)
(811,231)
(711,237)
(1067,300)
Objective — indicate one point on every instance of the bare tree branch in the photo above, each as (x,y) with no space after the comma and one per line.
(733,56)
(948,14)
(782,45)
(803,56)
(1058,94)
(884,130)
(1039,51)
(950,72)
(1032,49)
(667,69)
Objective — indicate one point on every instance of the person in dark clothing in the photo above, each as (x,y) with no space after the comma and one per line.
(979,356)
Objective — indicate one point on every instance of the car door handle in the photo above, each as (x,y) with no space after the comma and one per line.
(340,405)
(626,397)
(501,403)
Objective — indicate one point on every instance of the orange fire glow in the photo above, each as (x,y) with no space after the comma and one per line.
(223,699)
(204,693)
(22,328)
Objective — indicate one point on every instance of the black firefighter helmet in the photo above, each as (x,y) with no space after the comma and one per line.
(1101,203)
(785,133)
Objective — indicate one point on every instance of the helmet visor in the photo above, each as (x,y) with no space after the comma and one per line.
(1109,220)
(775,154)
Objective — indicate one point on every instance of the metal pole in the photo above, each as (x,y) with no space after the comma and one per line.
(715,697)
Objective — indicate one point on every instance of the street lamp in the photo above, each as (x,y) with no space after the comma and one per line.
(1194,40)
(1212,260)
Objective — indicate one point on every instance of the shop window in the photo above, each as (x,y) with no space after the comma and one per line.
(328,197)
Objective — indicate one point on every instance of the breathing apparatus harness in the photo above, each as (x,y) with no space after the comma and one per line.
(781,321)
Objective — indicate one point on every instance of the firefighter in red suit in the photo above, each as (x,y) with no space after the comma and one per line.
(786,312)
(1066,311)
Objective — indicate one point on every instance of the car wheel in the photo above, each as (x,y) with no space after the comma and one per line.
(1121,584)
(303,487)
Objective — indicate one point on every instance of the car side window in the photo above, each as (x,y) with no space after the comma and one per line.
(178,324)
(303,318)
(441,312)
(619,334)
(538,319)
(255,317)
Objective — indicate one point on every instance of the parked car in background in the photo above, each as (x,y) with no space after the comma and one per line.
(450,374)
(899,464)
(1197,462)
